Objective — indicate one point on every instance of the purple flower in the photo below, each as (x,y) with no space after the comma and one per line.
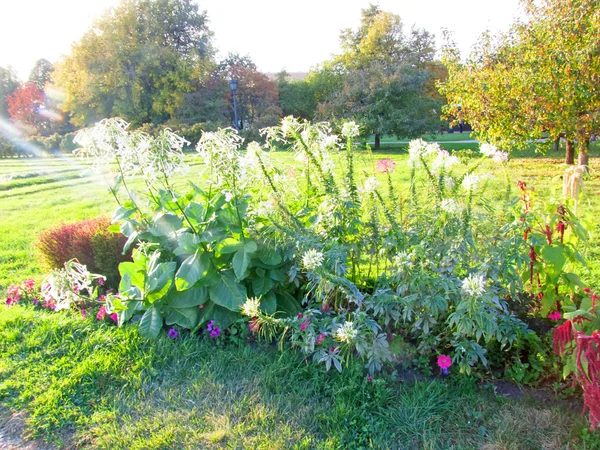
(215,332)
(210,326)
(101,281)
(84,313)
(173,333)
(35,301)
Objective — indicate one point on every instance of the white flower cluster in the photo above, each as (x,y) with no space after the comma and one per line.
(346,332)
(136,152)
(350,130)
(444,161)
(451,206)
(403,259)
(473,285)
(470,181)
(418,148)
(63,287)
(491,151)
(220,152)
(251,307)
(371,185)
(312,259)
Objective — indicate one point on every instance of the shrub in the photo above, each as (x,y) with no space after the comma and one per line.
(90,242)
(67,145)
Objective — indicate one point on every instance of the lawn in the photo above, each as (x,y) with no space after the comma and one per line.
(89,385)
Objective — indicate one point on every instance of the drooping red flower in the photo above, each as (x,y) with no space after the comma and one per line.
(561,336)
(588,349)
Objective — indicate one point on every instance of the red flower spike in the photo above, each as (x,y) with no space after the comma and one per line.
(562,336)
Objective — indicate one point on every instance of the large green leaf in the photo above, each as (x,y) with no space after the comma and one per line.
(223,317)
(229,245)
(165,225)
(261,285)
(192,269)
(269,256)
(555,256)
(195,212)
(187,244)
(241,261)
(184,317)
(122,213)
(160,280)
(268,303)
(187,299)
(287,304)
(228,292)
(151,323)
(135,275)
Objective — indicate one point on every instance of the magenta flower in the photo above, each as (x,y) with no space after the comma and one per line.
(303,326)
(385,165)
(444,362)
(173,333)
(321,338)
(101,313)
(216,332)
(114,317)
(101,281)
(84,313)
(36,301)
(299,316)
(369,378)
(555,316)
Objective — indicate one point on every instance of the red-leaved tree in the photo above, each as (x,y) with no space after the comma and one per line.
(24,105)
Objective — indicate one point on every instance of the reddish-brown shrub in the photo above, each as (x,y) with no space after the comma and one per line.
(88,241)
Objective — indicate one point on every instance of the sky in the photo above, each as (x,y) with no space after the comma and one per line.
(276,34)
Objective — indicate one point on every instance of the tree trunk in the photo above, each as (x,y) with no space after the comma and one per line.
(584,153)
(557,144)
(377,141)
(570,156)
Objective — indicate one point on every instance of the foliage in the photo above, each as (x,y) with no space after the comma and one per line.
(90,242)
(41,74)
(9,83)
(531,80)
(24,106)
(137,61)
(384,78)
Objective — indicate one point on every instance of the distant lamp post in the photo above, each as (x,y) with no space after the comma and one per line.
(235,114)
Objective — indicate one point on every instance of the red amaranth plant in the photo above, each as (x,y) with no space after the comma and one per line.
(588,350)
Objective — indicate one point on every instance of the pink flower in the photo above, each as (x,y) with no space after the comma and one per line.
(303,326)
(369,378)
(385,165)
(554,316)
(254,326)
(114,317)
(321,338)
(101,281)
(444,362)
(101,313)
(292,173)
(299,316)
(14,293)
(325,307)
(84,313)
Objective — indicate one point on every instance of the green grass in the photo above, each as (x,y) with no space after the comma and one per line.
(85,384)
(89,384)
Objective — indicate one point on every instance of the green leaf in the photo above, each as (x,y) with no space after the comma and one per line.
(192,269)
(195,212)
(228,245)
(269,256)
(187,244)
(287,304)
(250,246)
(555,256)
(184,317)
(277,275)
(223,317)
(122,213)
(151,323)
(261,285)
(187,299)
(165,225)
(132,307)
(241,261)
(572,279)
(228,292)
(268,303)
(134,273)
(160,280)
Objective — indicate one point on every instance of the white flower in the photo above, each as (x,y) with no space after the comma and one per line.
(450,206)
(346,333)
(312,259)
(449,182)
(289,126)
(500,157)
(473,285)
(444,160)
(488,149)
(371,185)
(403,259)
(350,130)
(265,209)
(470,181)
(251,307)
(418,148)
(330,141)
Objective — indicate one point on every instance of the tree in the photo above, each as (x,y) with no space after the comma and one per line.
(24,106)
(542,77)
(137,62)
(296,97)
(8,84)
(41,73)
(383,76)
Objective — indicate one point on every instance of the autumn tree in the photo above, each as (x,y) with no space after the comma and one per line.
(541,78)
(137,61)
(24,106)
